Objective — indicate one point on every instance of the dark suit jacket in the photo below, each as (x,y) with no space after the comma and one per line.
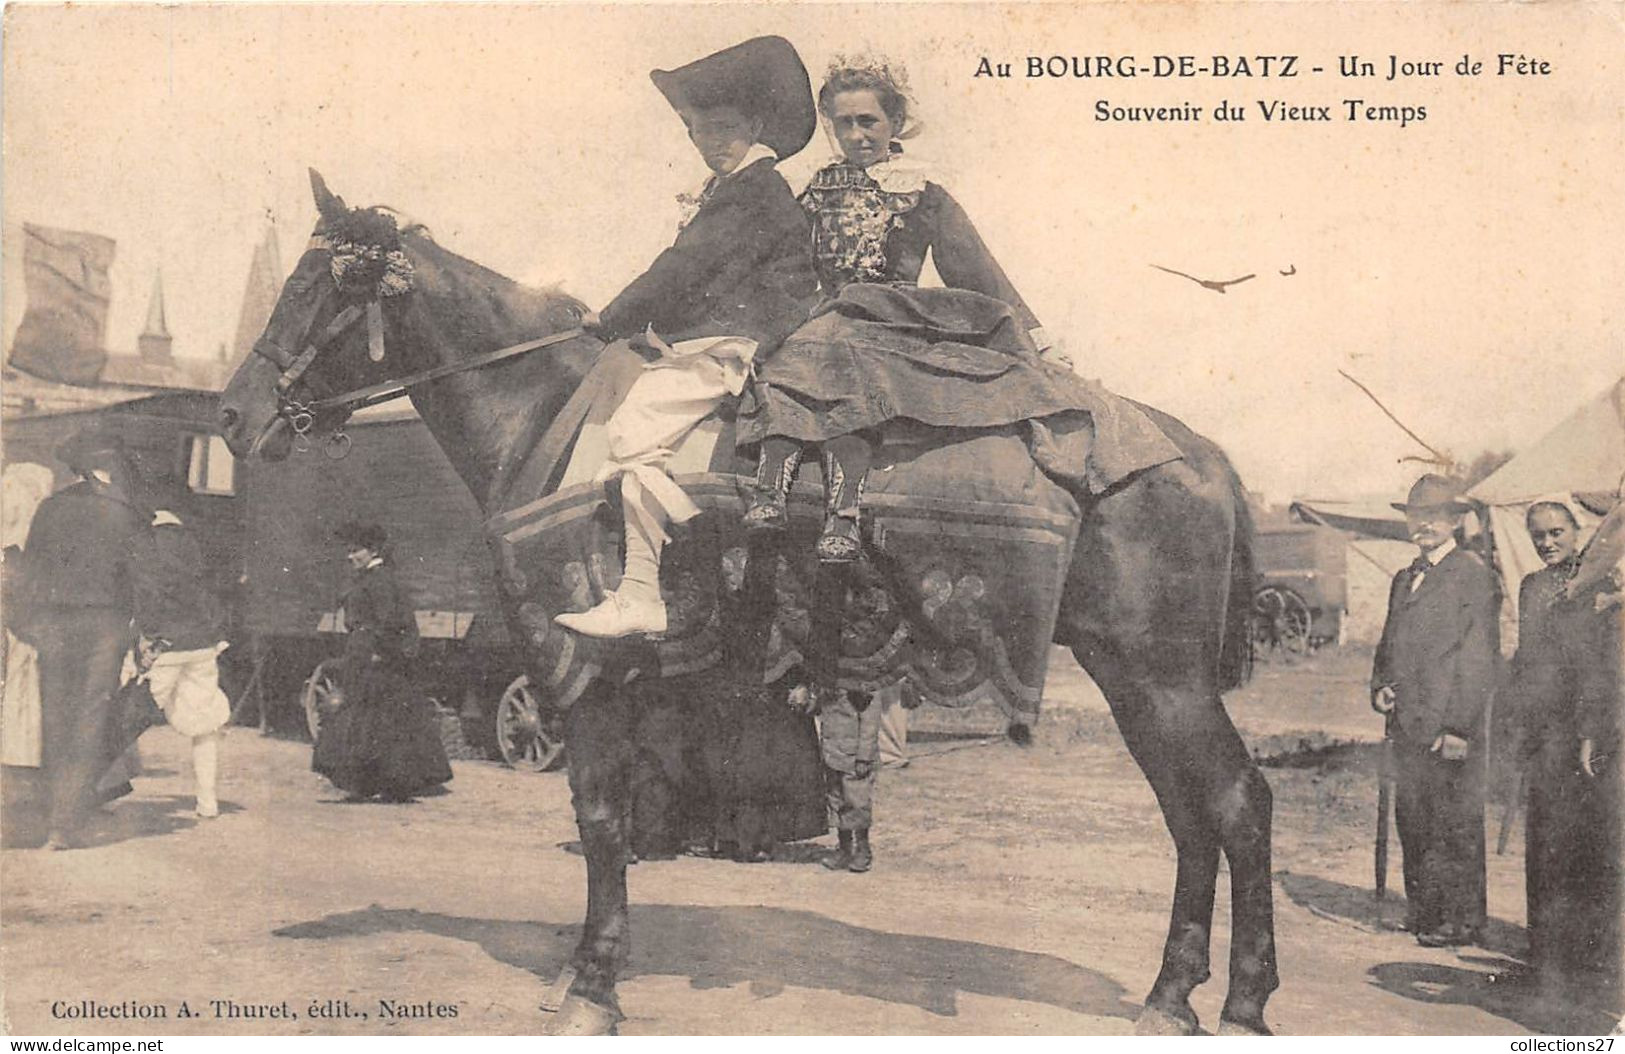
(1593,638)
(172,596)
(742,267)
(80,549)
(1440,650)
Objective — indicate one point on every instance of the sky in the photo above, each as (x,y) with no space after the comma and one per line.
(1466,267)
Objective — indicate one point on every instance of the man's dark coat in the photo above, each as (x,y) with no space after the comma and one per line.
(1440,654)
(741,267)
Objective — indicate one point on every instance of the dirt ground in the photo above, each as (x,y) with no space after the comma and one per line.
(1016,890)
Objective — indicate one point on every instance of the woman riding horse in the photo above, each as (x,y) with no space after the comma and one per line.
(880,348)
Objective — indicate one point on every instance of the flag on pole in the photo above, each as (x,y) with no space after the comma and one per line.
(63,333)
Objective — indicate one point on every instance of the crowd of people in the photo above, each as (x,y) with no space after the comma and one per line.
(1437,678)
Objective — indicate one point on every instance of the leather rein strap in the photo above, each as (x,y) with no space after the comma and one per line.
(386,391)
(294,367)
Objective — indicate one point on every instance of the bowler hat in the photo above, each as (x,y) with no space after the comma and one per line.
(763,77)
(90,448)
(360,535)
(1434,492)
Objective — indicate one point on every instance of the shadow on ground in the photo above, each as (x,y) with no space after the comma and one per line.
(770,949)
(1494,994)
(1495,983)
(25,826)
(1339,901)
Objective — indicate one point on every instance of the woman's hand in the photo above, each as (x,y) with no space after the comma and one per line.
(803,699)
(1382,700)
(1056,355)
(147,650)
(1587,765)
(1450,747)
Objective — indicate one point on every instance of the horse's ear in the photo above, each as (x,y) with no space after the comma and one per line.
(329,204)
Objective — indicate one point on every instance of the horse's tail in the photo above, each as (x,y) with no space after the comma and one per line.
(1236,649)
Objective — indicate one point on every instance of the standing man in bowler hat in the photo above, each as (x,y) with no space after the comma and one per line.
(79,598)
(1434,678)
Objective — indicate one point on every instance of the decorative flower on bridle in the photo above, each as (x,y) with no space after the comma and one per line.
(367,259)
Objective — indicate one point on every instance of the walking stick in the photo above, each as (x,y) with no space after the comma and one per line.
(1513,804)
(1385,795)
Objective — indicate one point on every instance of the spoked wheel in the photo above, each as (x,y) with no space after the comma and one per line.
(528,736)
(1281,622)
(317,695)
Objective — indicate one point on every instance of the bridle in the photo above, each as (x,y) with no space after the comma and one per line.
(300,416)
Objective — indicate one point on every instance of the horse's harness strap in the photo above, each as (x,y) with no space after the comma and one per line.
(296,369)
(385,391)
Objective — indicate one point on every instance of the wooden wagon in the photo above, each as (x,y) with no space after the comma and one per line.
(1302,590)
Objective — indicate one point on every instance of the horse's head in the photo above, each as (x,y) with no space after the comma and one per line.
(344,303)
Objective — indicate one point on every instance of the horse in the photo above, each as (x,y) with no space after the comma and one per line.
(1155,605)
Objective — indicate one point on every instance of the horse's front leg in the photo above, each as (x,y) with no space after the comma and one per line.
(599,733)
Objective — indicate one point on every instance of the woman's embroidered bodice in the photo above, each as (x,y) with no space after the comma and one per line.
(853,222)
(879,230)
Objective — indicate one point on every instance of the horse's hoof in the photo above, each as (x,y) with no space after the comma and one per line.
(1155,1021)
(553,999)
(1242,1028)
(582,1017)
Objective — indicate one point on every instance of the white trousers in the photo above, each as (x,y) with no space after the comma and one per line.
(186,687)
(668,401)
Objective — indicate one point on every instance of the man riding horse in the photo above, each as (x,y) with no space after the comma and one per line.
(736,281)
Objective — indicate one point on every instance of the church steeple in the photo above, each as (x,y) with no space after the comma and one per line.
(155,343)
(259,295)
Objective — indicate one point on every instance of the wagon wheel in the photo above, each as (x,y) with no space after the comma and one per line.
(1281,621)
(317,695)
(528,736)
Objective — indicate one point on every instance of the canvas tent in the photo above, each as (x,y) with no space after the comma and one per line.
(1580,462)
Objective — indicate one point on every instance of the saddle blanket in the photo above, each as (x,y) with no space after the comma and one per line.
(969,538)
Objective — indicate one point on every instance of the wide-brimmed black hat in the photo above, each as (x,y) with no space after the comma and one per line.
(763,77)
(359,535)
(90,447)
(1434,492)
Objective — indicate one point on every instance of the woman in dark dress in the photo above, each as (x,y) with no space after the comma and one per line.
(879,347)
(1547,717)
(1593,636)
(382,739)
(1568,683)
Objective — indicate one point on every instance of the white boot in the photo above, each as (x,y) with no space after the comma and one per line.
(205,771)
(636,606)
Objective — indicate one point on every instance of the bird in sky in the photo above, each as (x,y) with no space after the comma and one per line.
(1207,283)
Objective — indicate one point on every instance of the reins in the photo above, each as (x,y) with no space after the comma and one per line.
(385,391)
